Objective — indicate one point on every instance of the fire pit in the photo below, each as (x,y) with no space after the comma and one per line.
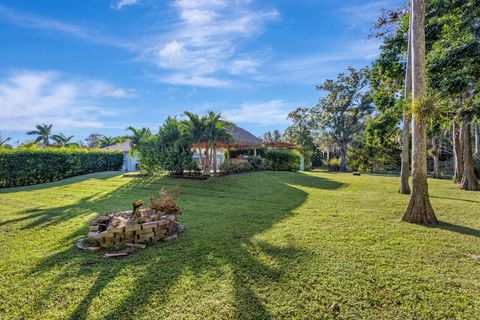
(136,228)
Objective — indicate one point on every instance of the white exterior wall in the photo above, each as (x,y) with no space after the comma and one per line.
(220,156)
(130,163)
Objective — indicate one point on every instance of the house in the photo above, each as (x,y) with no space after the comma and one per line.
(241,140)
(130,161)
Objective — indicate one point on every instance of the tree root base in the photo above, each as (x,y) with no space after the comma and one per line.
(419,211)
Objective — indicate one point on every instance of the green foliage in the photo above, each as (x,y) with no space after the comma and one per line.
(21,167)
(342,114)
(168,151)
(301,132)
(282,160)
(333,165)
(43,133)
(274,159)
(229,167)
(256,162)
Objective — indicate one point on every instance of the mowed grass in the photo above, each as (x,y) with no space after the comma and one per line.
(257,246)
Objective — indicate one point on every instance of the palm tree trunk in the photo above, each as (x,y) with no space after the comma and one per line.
(436,160)
(419,209)
(469,180)
(405,168)
(206,165)
(457,151)
(214,157)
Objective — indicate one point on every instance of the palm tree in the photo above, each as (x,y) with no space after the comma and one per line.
(216,132)
(419,209)
(3,142)
(137,135)
(62,140)
(107,141)
(196,128)
(43,133)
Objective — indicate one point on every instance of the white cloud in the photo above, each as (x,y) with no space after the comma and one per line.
(194,80)
(315,68)
(205,41)
(31,21)
(273,112)
(31,97)
(119,4)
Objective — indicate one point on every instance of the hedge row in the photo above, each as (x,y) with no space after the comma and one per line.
(21,167)
(277,160)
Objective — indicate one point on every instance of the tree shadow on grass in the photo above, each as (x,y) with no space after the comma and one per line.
(219,234)
(456,199)
(456,228)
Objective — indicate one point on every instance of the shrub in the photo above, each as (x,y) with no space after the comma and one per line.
(229,167)
(255,162)
(21,167)
(166,204)
(333,165)
(168,151)
(282,160)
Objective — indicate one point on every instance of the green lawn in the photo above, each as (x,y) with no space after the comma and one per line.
(259,245)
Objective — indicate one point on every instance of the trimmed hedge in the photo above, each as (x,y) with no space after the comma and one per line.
(282,160)
(22,167)
(228,167)
(276,160)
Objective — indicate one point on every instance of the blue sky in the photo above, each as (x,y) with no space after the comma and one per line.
(102,65)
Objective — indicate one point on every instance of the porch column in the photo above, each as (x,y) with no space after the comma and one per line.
(255,152)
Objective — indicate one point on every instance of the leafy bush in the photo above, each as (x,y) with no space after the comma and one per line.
(21,167)
(229,167)
(333,165)
(282,160)
(255,162)
(168,151)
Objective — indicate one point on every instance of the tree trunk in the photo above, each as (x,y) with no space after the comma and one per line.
(343,158)
(476,130)
(457,152)
(419,209)
(206,164)
(469,180)
(405,168)
(214,157)
(436,160)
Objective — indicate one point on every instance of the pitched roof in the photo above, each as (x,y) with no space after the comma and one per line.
(124,146)
(242,136)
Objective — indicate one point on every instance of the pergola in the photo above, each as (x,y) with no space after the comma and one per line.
(241,139)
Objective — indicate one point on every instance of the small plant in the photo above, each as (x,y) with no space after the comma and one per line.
(166,204)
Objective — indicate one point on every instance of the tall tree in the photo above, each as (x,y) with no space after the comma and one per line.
(136,136)
(272,136)
(454,64)
(43,133)
(419,209)
(215,131)
(196,127)
(301,131)
(3,142)
(93,140)
(62,140)
(342,113)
